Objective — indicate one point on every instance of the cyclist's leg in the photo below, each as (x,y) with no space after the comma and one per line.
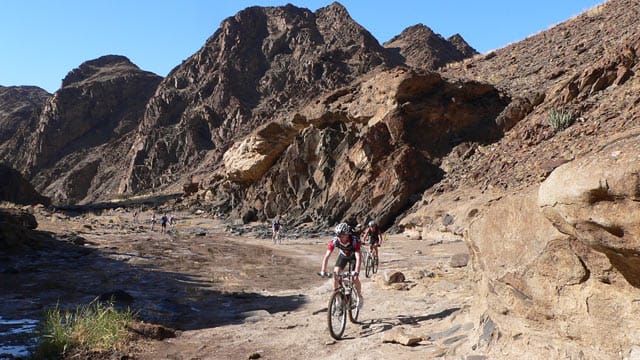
(341,262)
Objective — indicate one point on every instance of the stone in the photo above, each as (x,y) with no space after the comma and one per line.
(459,260)
(393,277)
(401,336)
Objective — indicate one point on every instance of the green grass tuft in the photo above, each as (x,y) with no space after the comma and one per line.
(93,327)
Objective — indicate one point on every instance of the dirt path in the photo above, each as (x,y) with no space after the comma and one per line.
(426,305)
(236,297)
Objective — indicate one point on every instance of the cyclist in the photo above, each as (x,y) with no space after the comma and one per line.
(357,231)
(276,227)
(349,247)
(373,235)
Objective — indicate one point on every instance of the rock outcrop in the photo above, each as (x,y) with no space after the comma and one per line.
(361,152)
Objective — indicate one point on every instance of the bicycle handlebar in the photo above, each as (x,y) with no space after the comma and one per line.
(340,275)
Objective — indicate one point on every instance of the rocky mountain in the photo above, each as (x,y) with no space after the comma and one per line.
(83,131)
(261,63)
(418,46)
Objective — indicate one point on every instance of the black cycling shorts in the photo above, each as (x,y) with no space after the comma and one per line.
(342,261)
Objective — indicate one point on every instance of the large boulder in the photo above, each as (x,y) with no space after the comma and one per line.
(556,267)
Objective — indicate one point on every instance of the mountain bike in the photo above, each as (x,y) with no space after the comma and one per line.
(343,302)
(370,262)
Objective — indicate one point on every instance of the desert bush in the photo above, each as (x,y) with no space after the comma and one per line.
(560,119)
(94,327)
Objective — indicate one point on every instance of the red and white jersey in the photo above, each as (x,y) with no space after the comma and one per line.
(348,249)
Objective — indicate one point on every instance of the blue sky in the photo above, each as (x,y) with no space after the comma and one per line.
(42,40)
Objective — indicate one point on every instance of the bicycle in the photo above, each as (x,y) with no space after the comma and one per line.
(370,262)
(343,302)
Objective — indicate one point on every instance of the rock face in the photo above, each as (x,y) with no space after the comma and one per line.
(362,152)
(260,63)
(418,46)
(16,189)
(560,266)
(20,107)
(84,129)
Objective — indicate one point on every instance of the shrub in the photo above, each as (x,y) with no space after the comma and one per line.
(560,119)
(93,327)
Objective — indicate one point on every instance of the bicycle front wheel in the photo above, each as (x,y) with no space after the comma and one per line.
(354,310)
(337,314)
(374,265)
(368,266)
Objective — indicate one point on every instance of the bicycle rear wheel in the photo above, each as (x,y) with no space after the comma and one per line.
(337,314)
(354,310)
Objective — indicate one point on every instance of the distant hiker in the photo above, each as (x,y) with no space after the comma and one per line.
(276,227)
(172,221)
(163,222)
(153,221)
(135,217)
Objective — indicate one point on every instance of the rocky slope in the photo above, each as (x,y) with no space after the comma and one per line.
(552,244)
(263,63)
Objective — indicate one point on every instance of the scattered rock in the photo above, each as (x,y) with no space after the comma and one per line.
(400,336)
(459,260)
(152,331)
(393,277)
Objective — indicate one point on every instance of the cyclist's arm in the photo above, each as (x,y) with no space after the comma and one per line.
(358,261)
(380,239)
(325,260)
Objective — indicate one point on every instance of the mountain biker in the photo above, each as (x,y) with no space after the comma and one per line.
(349,247)
(163,222)
(373,236)
(357,231)
(276,227)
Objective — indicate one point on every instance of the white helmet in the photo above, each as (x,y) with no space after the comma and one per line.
(342,228)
